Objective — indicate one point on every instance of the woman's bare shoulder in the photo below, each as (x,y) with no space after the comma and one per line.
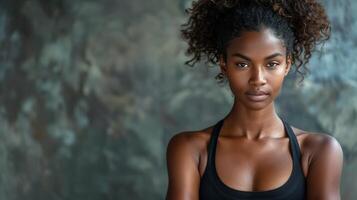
(313,139)
(192,141)
(324,166)
(183,157)
(315,142)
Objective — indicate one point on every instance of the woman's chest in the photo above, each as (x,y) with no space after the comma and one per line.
(253,166)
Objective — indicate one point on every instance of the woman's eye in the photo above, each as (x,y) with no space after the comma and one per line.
(242,65)
(272,65)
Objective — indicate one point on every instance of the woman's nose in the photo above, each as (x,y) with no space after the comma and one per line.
(257,77)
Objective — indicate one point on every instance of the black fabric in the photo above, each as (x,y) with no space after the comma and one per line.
(212,187)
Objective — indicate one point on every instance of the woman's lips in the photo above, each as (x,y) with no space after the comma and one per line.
(257,97)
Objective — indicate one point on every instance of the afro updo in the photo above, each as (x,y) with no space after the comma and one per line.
(300,24)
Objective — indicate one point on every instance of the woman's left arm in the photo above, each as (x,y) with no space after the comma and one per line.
(325,169)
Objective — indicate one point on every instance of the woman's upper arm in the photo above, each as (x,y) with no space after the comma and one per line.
(182,166)
(324,174)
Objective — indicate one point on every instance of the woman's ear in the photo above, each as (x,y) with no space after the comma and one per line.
(288,65)
(222,64)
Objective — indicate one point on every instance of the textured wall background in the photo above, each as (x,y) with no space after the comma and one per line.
(91,91)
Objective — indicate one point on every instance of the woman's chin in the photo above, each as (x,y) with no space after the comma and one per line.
(257,104)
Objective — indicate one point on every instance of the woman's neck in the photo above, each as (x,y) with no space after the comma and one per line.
(253,124)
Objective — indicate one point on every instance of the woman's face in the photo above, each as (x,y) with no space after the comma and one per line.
(255,66)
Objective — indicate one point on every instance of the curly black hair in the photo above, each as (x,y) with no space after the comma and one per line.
(300,24)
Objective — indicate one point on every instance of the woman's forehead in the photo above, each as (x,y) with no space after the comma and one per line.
(263,42)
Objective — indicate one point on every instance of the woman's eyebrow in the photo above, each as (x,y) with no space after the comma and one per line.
(247,58)
(273,55)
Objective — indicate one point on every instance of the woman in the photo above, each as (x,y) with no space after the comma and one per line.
(252,153)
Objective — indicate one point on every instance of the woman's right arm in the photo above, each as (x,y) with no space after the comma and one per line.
(182,166)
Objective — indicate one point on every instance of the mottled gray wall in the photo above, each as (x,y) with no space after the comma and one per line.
(91,91)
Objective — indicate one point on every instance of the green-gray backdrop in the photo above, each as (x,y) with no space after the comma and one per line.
(91,92)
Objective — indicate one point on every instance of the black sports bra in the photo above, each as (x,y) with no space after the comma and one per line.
(212,187)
